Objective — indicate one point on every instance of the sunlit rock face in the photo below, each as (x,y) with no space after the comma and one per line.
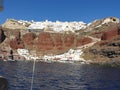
(110,19)
(13,24)
(83,41)
(45,42)
(54,42)
(28,40)
(62,40)
(16,44)
(58,41)
(110,34)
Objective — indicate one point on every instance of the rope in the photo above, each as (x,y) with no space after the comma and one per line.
(33,75)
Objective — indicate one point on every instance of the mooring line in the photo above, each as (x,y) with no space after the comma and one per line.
(33,75)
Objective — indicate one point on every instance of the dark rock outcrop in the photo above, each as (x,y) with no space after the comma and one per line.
(107,50)
(2,35)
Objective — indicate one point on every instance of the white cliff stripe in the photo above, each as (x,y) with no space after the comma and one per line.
(58,26)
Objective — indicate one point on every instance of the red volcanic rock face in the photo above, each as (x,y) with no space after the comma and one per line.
(83,41)
(28,40)
(28,37)
(97,34)
(58,41)
(69,40)
(110,34)
(55,41)
(45,42)
(16,43)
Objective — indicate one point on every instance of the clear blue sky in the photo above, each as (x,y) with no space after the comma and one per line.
(63,10)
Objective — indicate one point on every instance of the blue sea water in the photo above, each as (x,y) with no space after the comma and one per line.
(60,76)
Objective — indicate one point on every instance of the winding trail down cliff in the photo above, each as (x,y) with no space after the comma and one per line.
(94,40)
(61,41)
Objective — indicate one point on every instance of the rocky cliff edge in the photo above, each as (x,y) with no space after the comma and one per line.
(96,42)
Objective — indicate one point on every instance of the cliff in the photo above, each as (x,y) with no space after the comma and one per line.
(107,50)
(96,42)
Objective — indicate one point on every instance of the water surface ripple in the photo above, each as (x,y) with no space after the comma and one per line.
(60,76)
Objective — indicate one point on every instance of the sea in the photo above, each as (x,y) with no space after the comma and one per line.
(60,76)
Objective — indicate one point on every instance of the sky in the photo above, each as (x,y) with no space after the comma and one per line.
(62,10)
